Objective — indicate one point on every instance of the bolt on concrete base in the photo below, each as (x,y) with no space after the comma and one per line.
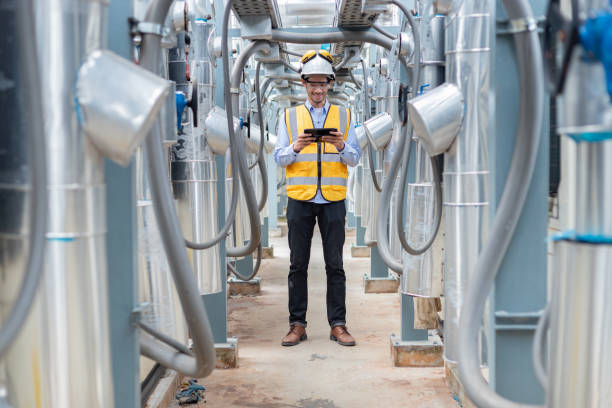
(227,353)
(240,287)
(380,285)
(268,252)
(360,251)
(427,353)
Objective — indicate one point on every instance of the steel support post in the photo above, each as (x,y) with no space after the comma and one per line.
(520,287)
(409,333)
(360,233)
(121,245)
(216,303)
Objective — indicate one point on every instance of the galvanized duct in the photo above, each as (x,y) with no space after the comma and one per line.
(65,342)
(193,169)
(156,289)
(466,170)
(581,281)
(421,276)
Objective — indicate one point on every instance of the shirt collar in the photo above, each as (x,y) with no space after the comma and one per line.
(310,107)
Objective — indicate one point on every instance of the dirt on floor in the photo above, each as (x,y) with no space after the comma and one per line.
(319,373)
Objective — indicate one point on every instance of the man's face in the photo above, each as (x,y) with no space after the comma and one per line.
(317,87)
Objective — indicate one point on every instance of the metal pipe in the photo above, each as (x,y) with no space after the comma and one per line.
(383,211)
(529,61)
(289,52)
(37,202)
(197,319)
(345,59)
(466,169)
(421,277)
(65,340)
(256,268)
(381,30)
(335,37)
(239,147)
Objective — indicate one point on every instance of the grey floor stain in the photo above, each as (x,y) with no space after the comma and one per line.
(317,403)
(315,356)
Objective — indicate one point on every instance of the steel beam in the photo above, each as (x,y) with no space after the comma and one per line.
(121,244)
(520,287)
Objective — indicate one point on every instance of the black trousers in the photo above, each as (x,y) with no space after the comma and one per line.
(301,217)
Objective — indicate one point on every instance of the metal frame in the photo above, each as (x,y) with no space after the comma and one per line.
(121,243)
(520,287)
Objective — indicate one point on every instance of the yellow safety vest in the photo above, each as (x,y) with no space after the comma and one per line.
(318,164)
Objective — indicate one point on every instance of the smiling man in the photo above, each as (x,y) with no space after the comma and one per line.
(316,174)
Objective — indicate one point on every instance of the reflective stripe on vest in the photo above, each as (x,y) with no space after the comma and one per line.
(304,175)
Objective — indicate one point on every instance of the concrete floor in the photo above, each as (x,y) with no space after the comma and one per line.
(319,373)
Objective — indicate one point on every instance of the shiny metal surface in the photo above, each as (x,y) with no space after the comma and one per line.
(466,171)
(156,289)
(217,132)
(358,190)
(117,117)
(422,277)
(586,190)
(193,172)
(379,130)
(167,117)
(15,187)
(423,273)
(241,230)
(62,358)
(580,363)
(436,117)
(362,138)
(370,233)
(585,106)
(366,191)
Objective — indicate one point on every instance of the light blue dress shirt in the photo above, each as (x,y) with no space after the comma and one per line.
(284,154)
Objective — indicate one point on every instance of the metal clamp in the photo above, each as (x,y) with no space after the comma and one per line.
(520,25)
(235,91)
(150,28)
(137,312)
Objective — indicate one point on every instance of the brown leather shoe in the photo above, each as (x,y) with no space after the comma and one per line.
(296,334)
(342,336)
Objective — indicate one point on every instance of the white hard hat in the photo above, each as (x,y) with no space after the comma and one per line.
(317,63)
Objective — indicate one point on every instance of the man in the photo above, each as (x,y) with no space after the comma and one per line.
(316,174)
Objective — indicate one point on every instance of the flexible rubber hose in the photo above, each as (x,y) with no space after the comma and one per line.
(385,195)
(231,105)
(399,208)
(373,167)
(366,105)
(291,67)
(381,30)
(366,95)
(354,79)
(259,115)
(345,59)
(261,162)
(229,220)
(256,268)
(38,198)
(539,344)
(529,62)
(172,239)
(289,52)
(165,338)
